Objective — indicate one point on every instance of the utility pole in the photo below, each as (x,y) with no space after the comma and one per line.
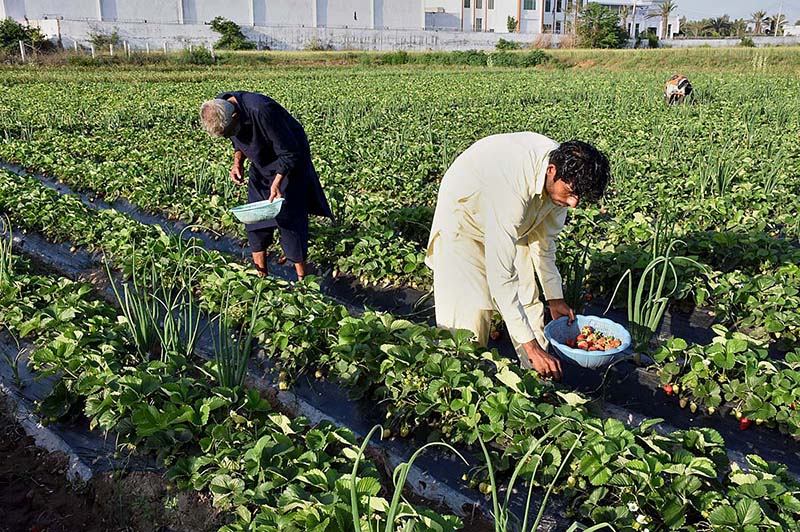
(632,33)
(778,20)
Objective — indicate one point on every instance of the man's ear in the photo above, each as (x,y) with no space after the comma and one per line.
(551,172)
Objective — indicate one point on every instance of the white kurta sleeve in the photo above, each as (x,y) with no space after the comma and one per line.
(504,213)
(543,253)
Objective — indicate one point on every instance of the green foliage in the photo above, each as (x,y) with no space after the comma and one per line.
(503,44)
(102,41)
(227,440)
(652,39)
(747,42)
(599,28)
(196,55)
(232,37)
(511,24)
(11,32)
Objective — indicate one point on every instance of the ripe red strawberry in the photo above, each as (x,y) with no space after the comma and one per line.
(668,389)
(495,335)
(583,345)
(581,337)
(571,342)
(744,423)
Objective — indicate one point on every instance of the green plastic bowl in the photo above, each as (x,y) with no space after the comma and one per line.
(258,211)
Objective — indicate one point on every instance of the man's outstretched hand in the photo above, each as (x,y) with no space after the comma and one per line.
(559,308)
(546,365)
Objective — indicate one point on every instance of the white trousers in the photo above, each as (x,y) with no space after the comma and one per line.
(459,274)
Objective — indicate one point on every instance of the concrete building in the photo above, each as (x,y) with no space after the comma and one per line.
(356,14)
(791,31)
(540,16)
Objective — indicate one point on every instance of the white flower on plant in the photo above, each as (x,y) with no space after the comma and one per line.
(633,507)
(641,519)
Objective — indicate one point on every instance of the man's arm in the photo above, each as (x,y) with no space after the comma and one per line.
(543,253)
(237,171)
(500,243)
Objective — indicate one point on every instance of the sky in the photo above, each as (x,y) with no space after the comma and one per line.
(697,9)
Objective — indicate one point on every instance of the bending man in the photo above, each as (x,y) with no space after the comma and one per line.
(280,167)
(500,207)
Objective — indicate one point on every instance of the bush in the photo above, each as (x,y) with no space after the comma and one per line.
(470,57)
(102,40)
(534,58)
(11,32)
(394,58)
(232,36)
(503,59)
(652,39)
(317,45)
(196,55)
(503,44)
(747,42)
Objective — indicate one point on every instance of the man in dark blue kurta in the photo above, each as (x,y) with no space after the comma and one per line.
(276,145)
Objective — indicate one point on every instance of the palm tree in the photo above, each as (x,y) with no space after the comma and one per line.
(721,26)
(692,28)
(758,20)
(739,27)
(775,25)
(664,11)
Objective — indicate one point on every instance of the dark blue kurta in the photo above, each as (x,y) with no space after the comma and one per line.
(275,143)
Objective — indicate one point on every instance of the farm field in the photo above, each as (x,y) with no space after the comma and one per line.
(721,178)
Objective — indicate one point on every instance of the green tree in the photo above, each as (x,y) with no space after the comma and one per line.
(599,28)
(759,20)
(664,11)
(776,25)
(11,32)
(511,24)
(232,36)
(718,27)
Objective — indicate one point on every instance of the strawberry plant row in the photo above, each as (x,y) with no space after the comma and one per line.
(262,467)
(629,476)
(382,139)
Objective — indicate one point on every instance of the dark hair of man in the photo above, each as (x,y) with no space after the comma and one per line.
(583,167)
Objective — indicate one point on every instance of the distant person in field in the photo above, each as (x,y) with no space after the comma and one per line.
(276,145)
(501,205)
(677,89)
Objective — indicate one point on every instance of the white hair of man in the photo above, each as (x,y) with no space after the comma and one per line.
(217,115)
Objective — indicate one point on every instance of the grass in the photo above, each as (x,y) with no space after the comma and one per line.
(688,60)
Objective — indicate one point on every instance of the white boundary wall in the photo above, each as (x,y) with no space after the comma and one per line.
(179,36)
(730,42)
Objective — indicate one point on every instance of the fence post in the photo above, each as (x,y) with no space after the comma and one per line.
(92,51)
(147,47)
(22,50)
(111,49)
(76,45)
(165,47)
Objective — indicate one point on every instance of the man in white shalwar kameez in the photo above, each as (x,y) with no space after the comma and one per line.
(500,207)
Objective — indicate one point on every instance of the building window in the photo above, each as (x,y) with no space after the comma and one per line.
(478,4)
(669,32)
(558,26)
(558,6)
(491,4)
(478,21)
(466,4)
(637,31)
(547,5)
(530,5)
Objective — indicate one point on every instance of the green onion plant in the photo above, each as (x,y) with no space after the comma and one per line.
(233,345)
(6,258)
